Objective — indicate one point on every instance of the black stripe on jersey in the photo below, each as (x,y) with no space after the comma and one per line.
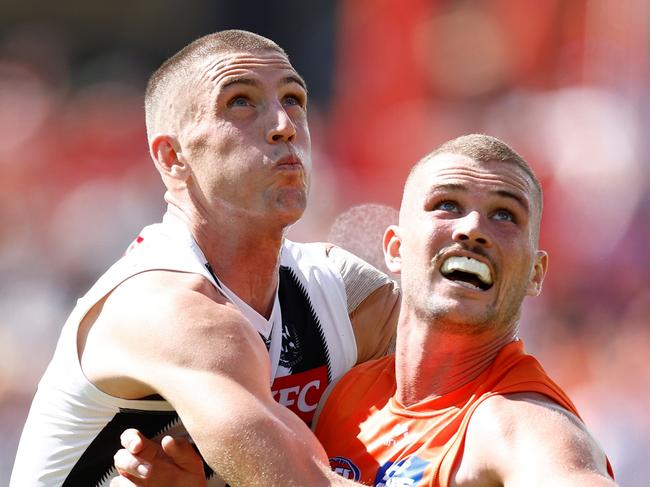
(95,466)
(214,276)
(301,328)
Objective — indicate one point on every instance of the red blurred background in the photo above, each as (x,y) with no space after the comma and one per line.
(565,82)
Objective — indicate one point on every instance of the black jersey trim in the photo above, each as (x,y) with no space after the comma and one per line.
(300,320)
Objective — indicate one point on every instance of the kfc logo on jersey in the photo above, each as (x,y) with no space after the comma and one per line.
(301,392)
(345,468)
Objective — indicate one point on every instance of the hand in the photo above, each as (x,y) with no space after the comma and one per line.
(143,462)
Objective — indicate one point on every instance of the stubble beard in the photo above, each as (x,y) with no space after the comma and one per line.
(446,316)
(288,204)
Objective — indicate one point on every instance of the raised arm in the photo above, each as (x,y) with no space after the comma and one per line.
(173,335)
(528,440)
(373,304)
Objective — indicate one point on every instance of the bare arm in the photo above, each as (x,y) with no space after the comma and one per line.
(527,440)
(170,334)
(373,303)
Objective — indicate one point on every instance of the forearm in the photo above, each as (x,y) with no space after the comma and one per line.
(273,455)
(250,442)
(218,383)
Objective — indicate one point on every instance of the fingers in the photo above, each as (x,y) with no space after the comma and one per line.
(121,482)
(127,464)
(133,440)
(139,446)
(136,457)
(182,453)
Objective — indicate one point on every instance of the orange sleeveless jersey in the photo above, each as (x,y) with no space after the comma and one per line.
(370,438)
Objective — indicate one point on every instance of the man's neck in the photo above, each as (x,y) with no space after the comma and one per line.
(244,256)
(431,363)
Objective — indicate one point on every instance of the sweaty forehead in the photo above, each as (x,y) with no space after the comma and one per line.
(222,68)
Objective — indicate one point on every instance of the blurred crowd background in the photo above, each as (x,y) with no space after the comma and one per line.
(565,82)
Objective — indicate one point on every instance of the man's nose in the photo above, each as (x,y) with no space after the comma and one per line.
(281,127)
(470,228)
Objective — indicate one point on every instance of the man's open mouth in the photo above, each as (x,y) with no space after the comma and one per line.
(467,271)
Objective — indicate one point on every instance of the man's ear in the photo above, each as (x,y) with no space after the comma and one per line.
(392,249)
(166,154)
(537,274)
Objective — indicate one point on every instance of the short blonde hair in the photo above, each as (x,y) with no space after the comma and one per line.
(166,83)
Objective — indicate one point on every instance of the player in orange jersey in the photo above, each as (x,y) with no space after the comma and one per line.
(460,403)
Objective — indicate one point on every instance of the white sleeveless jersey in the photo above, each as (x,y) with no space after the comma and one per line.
(73,428)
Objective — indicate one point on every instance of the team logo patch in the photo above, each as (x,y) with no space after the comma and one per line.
(291,353)
(345,468)
(405,473)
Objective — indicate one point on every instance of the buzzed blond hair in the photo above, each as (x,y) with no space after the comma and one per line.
(170,81)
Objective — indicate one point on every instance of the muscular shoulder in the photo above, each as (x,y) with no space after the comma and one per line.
(163,287)
(157,301)
(165,320)
(524,436)
(180,307)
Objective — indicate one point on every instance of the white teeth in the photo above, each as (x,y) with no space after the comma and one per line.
(467,264)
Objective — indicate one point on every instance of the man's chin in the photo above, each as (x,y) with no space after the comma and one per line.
(291,205)
(458,320)
(288,216)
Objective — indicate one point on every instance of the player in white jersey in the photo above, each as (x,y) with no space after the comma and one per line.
(210,307)
(309,336)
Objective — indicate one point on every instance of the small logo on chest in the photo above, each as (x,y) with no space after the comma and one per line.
(291,353)
(345,468)
(397,434)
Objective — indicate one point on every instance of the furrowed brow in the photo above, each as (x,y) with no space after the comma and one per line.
(253,82)
(295,79)
(240,81)
(448,187)
(514,196)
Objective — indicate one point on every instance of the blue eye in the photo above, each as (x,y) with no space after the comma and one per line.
(446,206)
(503,215)
(293,100)
(239,101)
